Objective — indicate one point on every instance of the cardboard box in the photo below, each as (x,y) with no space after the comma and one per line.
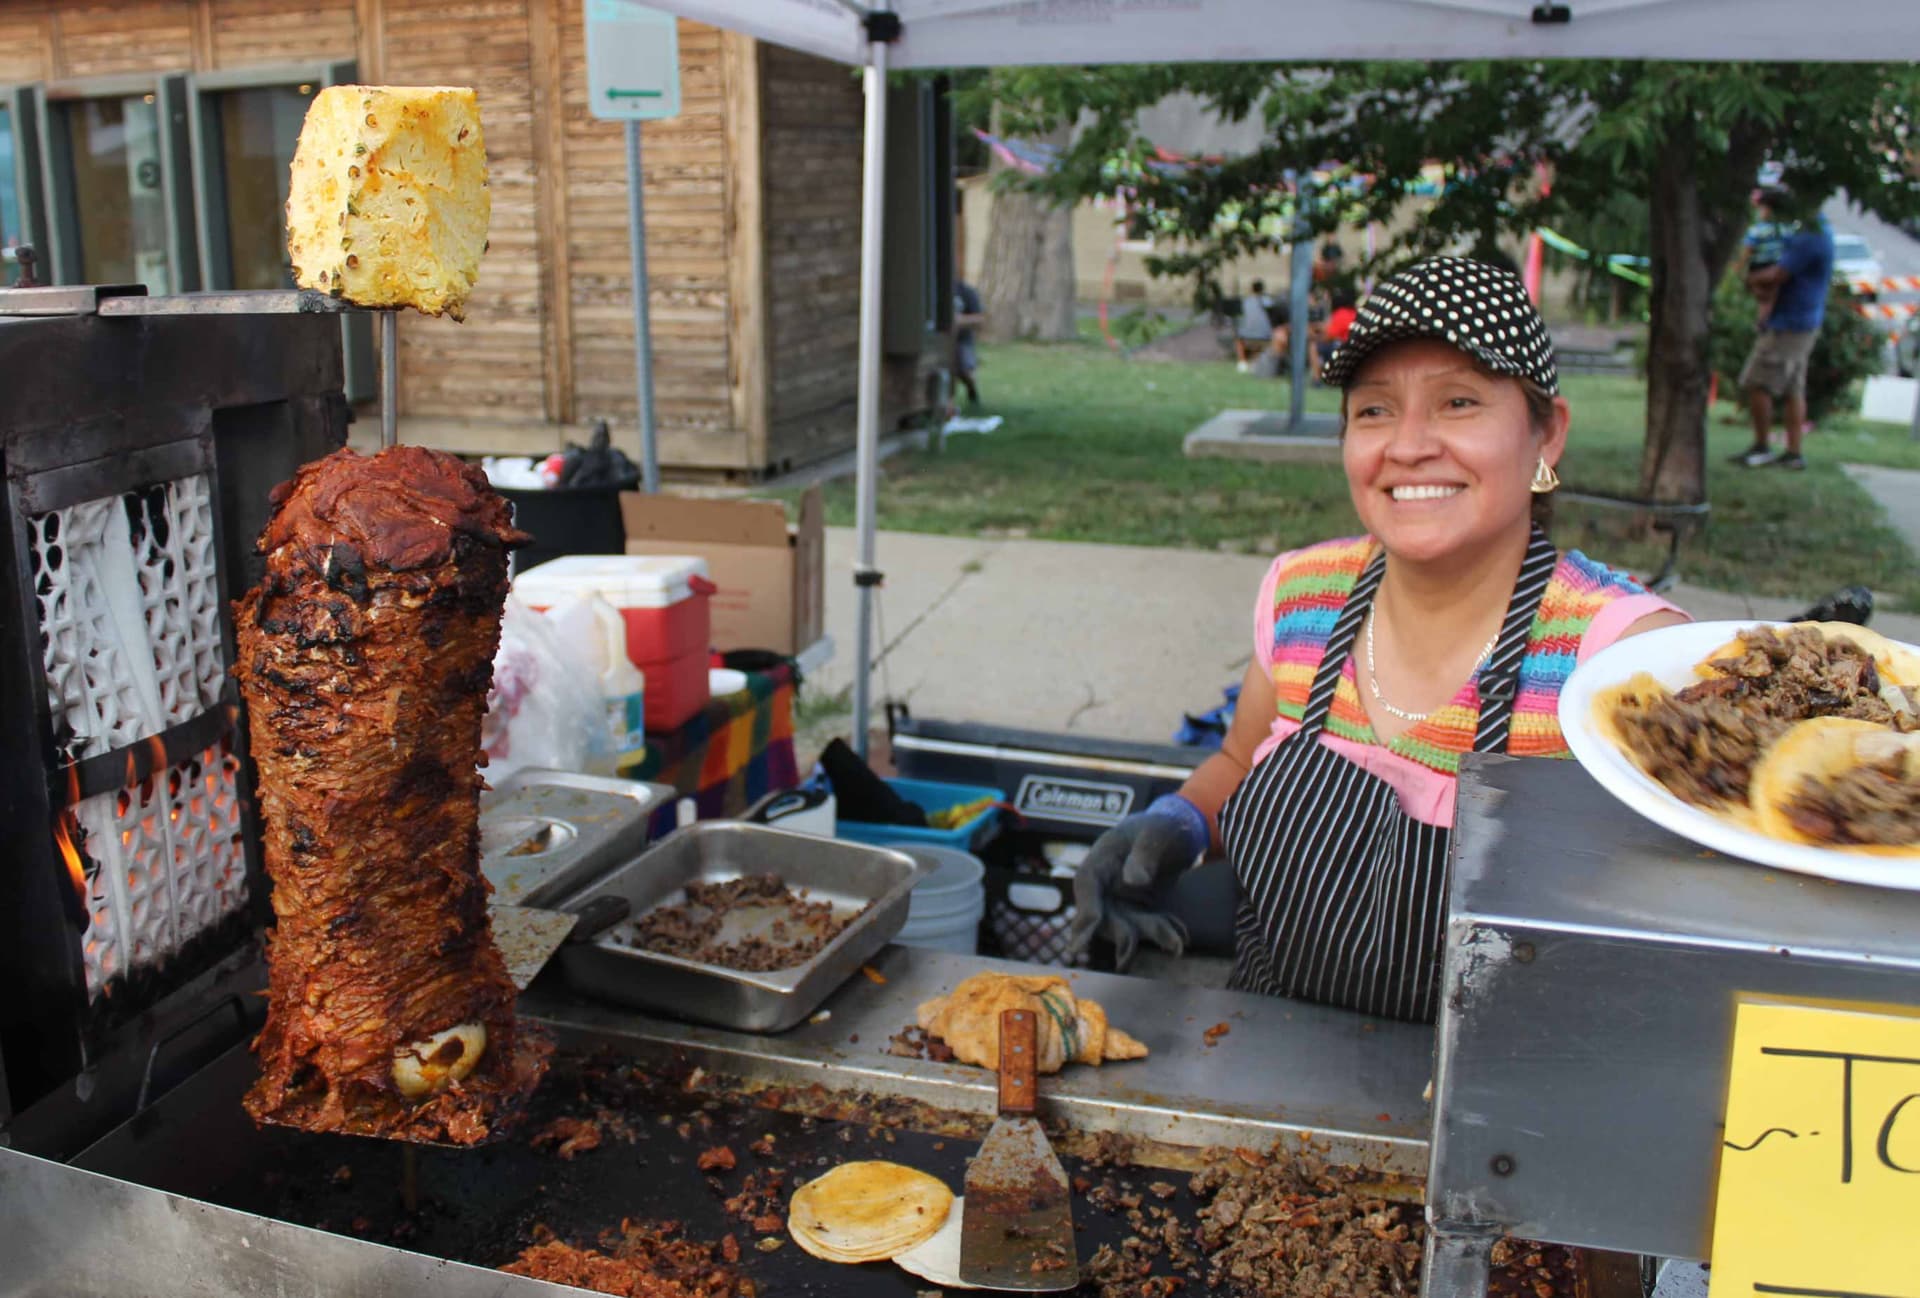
(770,574)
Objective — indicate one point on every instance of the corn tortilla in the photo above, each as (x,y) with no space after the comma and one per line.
(867,1211)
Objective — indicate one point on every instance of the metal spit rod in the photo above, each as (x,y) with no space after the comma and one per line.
(389,378)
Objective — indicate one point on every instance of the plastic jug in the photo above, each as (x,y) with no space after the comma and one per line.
(601,634)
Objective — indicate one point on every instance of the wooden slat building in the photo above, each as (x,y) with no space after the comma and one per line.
(752,197)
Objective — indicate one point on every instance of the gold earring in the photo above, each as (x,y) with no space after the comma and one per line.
(1544,478)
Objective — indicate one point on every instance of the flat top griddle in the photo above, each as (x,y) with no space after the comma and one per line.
(483,1206)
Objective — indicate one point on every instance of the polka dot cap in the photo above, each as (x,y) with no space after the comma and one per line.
(1481,309)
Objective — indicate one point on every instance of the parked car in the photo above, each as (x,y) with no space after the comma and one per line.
(1855,263)
(1906,348)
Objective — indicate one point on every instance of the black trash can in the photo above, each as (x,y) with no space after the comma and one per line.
(566,520)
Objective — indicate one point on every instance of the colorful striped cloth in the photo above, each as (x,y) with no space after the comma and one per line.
(732,753)
(1309,588)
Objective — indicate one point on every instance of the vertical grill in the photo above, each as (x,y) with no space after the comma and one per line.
(136,460)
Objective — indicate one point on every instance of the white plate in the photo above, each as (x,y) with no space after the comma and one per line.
(722,681)
(1669,656)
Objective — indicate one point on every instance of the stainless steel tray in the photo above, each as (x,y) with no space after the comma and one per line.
(849,875)
(545,833)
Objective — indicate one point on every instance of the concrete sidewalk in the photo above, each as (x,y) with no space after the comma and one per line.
(1108,640)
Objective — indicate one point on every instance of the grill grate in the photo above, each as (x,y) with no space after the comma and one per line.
(128,592)
(128,595)
(165,864)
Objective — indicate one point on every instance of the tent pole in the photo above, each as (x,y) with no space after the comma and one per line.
(642,327)
(867,446)
(1299,295)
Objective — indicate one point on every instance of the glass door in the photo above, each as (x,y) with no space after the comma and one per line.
(119,190)
(258,127)
(9,197)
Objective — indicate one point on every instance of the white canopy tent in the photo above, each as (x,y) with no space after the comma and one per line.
(903,34)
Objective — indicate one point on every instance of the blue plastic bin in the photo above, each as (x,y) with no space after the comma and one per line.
(930,796)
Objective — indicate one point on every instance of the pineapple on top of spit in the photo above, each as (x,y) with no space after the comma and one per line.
(388,204)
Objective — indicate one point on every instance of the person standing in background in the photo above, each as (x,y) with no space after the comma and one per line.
(969,313)
(1251,334)
(1765,239)
(1776,368)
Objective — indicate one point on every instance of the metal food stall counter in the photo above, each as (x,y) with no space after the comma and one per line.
(1593,968)
(148,1194)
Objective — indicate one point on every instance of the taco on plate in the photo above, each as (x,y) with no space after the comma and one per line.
(1703,741)
(1837,782)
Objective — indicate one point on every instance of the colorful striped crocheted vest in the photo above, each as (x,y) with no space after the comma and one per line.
(1313,585)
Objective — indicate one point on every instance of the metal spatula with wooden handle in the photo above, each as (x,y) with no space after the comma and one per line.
(1016,1225)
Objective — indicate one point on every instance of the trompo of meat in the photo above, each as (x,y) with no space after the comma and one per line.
(365,654)
(1072,1030)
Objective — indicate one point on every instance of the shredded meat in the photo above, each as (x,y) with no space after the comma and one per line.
(1522,1270)
(1298,1228)
(915,1042)
(1702,742)
(640,1260)
(365,656)
(568,1136)
(1875,803)
(785,928)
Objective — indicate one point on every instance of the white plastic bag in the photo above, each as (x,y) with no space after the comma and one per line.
(544,709)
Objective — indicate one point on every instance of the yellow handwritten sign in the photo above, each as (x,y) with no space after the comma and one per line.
(1820,1165)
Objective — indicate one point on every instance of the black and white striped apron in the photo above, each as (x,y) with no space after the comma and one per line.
(1342,895)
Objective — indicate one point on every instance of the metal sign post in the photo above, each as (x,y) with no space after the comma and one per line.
(633,75)
(1299,304)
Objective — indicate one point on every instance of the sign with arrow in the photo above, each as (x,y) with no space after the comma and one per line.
(633,62)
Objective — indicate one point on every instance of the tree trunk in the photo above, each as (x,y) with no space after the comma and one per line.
(1695,224)
(1026,278)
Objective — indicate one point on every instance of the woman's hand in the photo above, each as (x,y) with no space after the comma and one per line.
(1114,887)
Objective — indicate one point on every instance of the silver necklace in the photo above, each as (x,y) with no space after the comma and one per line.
(1373,678)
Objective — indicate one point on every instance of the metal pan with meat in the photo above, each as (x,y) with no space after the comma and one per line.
(740,925)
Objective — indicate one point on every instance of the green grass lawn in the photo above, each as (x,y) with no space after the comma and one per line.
(1091,451)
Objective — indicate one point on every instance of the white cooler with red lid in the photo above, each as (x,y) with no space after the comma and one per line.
(663,600)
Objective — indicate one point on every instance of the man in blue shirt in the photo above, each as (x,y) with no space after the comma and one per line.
(1776,368)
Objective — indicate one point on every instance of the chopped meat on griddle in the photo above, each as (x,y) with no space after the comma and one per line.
(640,1260)
(365,655)
(1703,741)
(1874,803)
(1301,1229)
(568,1136)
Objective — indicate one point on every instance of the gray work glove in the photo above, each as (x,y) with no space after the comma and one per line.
(1128,866)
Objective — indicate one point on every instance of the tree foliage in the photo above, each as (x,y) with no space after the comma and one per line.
(1684,140)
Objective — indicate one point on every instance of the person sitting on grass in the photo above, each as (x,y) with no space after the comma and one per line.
(1339,323)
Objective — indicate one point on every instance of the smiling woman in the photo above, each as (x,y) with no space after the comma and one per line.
(1379,660)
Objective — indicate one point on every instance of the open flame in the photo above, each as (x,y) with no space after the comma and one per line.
(76,864)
